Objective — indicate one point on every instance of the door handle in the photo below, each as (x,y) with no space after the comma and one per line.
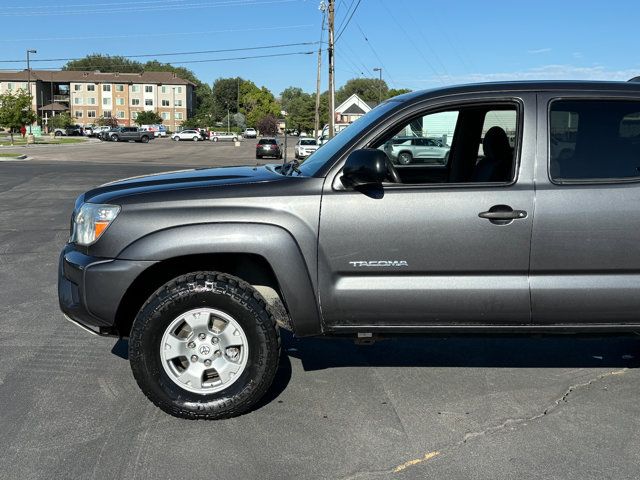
(502,214)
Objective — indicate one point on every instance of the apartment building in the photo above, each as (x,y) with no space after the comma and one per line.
(90,95)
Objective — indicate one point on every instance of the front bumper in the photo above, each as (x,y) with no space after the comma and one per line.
(90,289)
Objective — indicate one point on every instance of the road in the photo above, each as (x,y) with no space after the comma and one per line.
(496,407)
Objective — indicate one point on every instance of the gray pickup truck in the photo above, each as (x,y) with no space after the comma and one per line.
(128,134)
(200,269)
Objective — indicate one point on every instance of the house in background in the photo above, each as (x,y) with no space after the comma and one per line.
(352,109)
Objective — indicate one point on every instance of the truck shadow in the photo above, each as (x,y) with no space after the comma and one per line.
(498,351)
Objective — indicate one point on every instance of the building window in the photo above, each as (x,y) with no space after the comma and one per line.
(148,89)
(135,101)
(77,87)
(164,89)
(78,113)
(148,102)
(178,115)
(179,89)
(106,101)
(135,88)
(119,88)
(91,114)
(91,88)
(165,103)
(9,86)
(166,116)
(178,103)
(119,101)
(106,113)
(91,101)
(77,101)
(120,114)
(134,115)
(106,88)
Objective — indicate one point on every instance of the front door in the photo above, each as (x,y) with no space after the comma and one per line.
(436,249)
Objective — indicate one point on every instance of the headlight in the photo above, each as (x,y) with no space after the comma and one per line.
(91,221)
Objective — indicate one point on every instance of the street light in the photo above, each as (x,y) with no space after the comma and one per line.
(379,70)
(29,83)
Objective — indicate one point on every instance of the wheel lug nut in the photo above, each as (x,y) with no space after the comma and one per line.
(191,345)
(207,362)
(217,353)
(194,358)
(202,336)
(214,340)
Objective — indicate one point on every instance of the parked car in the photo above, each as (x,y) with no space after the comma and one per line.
(128,134)
(192,135)
(158,130)
(88,130)
(99,131)
(268,147)
(305,147)
(517,240)
(406,150)
(228,136)
(250,133)
(72,131)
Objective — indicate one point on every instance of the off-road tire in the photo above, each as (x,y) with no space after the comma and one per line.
(197,290)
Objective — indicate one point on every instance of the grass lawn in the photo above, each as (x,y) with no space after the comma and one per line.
(10,155)
(18,141)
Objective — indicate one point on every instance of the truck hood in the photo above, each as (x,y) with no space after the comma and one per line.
(181,179)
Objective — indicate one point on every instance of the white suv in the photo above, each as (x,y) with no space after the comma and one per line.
(249,133)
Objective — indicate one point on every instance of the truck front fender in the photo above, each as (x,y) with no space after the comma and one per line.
(273,243)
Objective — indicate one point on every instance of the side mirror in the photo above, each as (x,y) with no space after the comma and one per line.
(367,166)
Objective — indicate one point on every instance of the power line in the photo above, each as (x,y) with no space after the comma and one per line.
(226,3)
(376,54)
(106,5)
(348,20)
(148,35)
(249,57)
(347,13)
(261,47)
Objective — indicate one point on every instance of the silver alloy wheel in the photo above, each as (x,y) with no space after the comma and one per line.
(404,158)
(204,350)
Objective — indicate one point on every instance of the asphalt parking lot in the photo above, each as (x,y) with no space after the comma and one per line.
(499,407)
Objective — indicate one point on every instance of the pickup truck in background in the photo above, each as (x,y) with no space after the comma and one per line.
(200,269)
(127,134)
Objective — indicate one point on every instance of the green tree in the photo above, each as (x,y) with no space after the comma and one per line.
(393,92)
(15,111)
(300,108)
(257,103)
(105,63)
(148,118)
(368,89)
(224,93)
(62,120)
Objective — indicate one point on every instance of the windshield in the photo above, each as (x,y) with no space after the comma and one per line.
(307,142)
(327,152)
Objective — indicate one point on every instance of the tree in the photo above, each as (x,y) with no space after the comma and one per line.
(62,120)
(15,111)
(224,95)
(107,122)
(268,125)
(393,92)
(257,103)
(368,89)
(148,118)
(105,63)
(300,108)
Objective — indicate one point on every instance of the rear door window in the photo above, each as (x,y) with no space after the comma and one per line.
(594,140)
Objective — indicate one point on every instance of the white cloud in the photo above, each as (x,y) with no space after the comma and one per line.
(539,50)
(546,72)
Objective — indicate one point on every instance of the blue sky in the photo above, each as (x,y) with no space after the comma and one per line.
(418,43)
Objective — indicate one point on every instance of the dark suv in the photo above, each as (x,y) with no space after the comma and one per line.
(268,147)
(514,233)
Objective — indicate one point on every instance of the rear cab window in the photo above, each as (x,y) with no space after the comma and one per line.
(594,141)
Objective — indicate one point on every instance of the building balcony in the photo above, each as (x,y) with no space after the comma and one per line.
(61,98)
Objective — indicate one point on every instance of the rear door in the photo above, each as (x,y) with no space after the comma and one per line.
(585,257)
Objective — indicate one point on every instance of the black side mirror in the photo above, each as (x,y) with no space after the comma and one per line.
(367,166)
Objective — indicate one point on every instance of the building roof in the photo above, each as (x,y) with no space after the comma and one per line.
(83,76)
(54,107)
(353,109)
(354,99)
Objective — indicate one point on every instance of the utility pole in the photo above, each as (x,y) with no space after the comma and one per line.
(173,97)
(29,84)
(332,87)
(379,69)
(316,124)
(238,96)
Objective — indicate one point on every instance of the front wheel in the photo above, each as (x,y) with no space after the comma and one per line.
(115,138)
(144,139)
(204,345)
(214,139)
(404,158)
(58,134)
